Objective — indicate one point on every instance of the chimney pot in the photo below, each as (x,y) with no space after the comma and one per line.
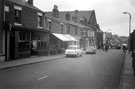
(30,2)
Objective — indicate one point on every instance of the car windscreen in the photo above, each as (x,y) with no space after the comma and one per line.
(72,47)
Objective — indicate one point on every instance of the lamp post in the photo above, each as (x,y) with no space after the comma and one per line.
(129,29)
(129,21)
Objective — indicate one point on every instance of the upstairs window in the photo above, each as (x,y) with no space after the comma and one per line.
(40,20)
(84,33)
(17,15)
(6,13)
(68,29)
(49,24)
(61,27)
(76,31)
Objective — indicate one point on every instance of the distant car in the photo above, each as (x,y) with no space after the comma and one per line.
(73,50)
(90,50)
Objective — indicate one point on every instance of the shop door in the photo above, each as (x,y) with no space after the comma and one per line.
(34,44)
(12,46)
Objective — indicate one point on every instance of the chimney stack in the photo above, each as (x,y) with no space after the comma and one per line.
(30,2)
(55,11)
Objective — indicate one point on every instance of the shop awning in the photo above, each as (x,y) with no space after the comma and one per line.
(61,37)
(70,37)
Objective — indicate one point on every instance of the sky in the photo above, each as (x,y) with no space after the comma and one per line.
(109,13)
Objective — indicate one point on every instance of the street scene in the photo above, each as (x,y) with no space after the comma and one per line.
(66,44)
(87,72)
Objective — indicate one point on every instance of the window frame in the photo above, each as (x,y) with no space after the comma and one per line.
(68,29)
(62,27)
(17,15)
(49,23)
(39,18)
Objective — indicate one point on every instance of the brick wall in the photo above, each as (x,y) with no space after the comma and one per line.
(1,32)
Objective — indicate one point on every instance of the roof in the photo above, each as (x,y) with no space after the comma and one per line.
(81,14)
(67,22)
(24,3)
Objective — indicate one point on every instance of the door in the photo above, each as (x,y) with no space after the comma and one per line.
(12,45)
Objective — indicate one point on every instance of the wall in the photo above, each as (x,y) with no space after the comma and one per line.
(1,32)
(55,27)
(29,18)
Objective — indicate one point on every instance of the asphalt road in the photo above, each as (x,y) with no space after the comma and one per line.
(98,71)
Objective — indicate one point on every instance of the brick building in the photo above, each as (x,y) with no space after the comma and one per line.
(82,25)
(24,30)
(1,30)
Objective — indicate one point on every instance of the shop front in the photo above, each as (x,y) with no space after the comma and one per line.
(26,42)
(58,43)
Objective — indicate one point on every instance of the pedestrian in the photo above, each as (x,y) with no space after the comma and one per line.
(124,48)
(106,46)
(132,49)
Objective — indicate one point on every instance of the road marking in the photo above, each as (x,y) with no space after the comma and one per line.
(42,77)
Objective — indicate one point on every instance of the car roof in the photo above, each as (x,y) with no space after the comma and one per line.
(73,46)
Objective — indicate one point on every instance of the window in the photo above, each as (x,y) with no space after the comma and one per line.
(48,24)
(90,33)
(6,12)
(17,15)
(6,8)
(61,27)
(40,20)
(24,36)
(68,29)
(76,31)
(84,32)
(42,40)
(24,39)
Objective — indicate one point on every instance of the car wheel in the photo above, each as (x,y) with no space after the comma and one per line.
(81,54)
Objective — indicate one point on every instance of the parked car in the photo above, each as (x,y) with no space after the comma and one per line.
(90,50)
(73,50)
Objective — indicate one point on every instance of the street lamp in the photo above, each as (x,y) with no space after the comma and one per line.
(129,29)
(129,21)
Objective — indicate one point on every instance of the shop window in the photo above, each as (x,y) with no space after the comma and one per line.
(42,40)
(24,39)
(17,15)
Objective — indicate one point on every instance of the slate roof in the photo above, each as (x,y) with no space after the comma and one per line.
(81,14)
(67,22)
(24,3)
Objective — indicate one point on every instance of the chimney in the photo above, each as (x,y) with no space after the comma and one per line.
(76,16)
(55,11)
(30,2)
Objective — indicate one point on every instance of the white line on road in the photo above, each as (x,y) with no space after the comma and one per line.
(42,77)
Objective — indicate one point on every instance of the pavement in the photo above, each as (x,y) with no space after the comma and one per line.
(26,61)
(127,78)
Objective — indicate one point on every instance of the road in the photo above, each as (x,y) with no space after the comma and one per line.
(98,71)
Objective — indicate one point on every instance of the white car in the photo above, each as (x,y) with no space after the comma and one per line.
(73,50)
(90,50)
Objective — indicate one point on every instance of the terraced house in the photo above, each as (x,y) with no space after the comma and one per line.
(1,30)
(23,30)
(80,25)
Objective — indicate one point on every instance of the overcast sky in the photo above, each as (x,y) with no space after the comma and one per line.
(109,13)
